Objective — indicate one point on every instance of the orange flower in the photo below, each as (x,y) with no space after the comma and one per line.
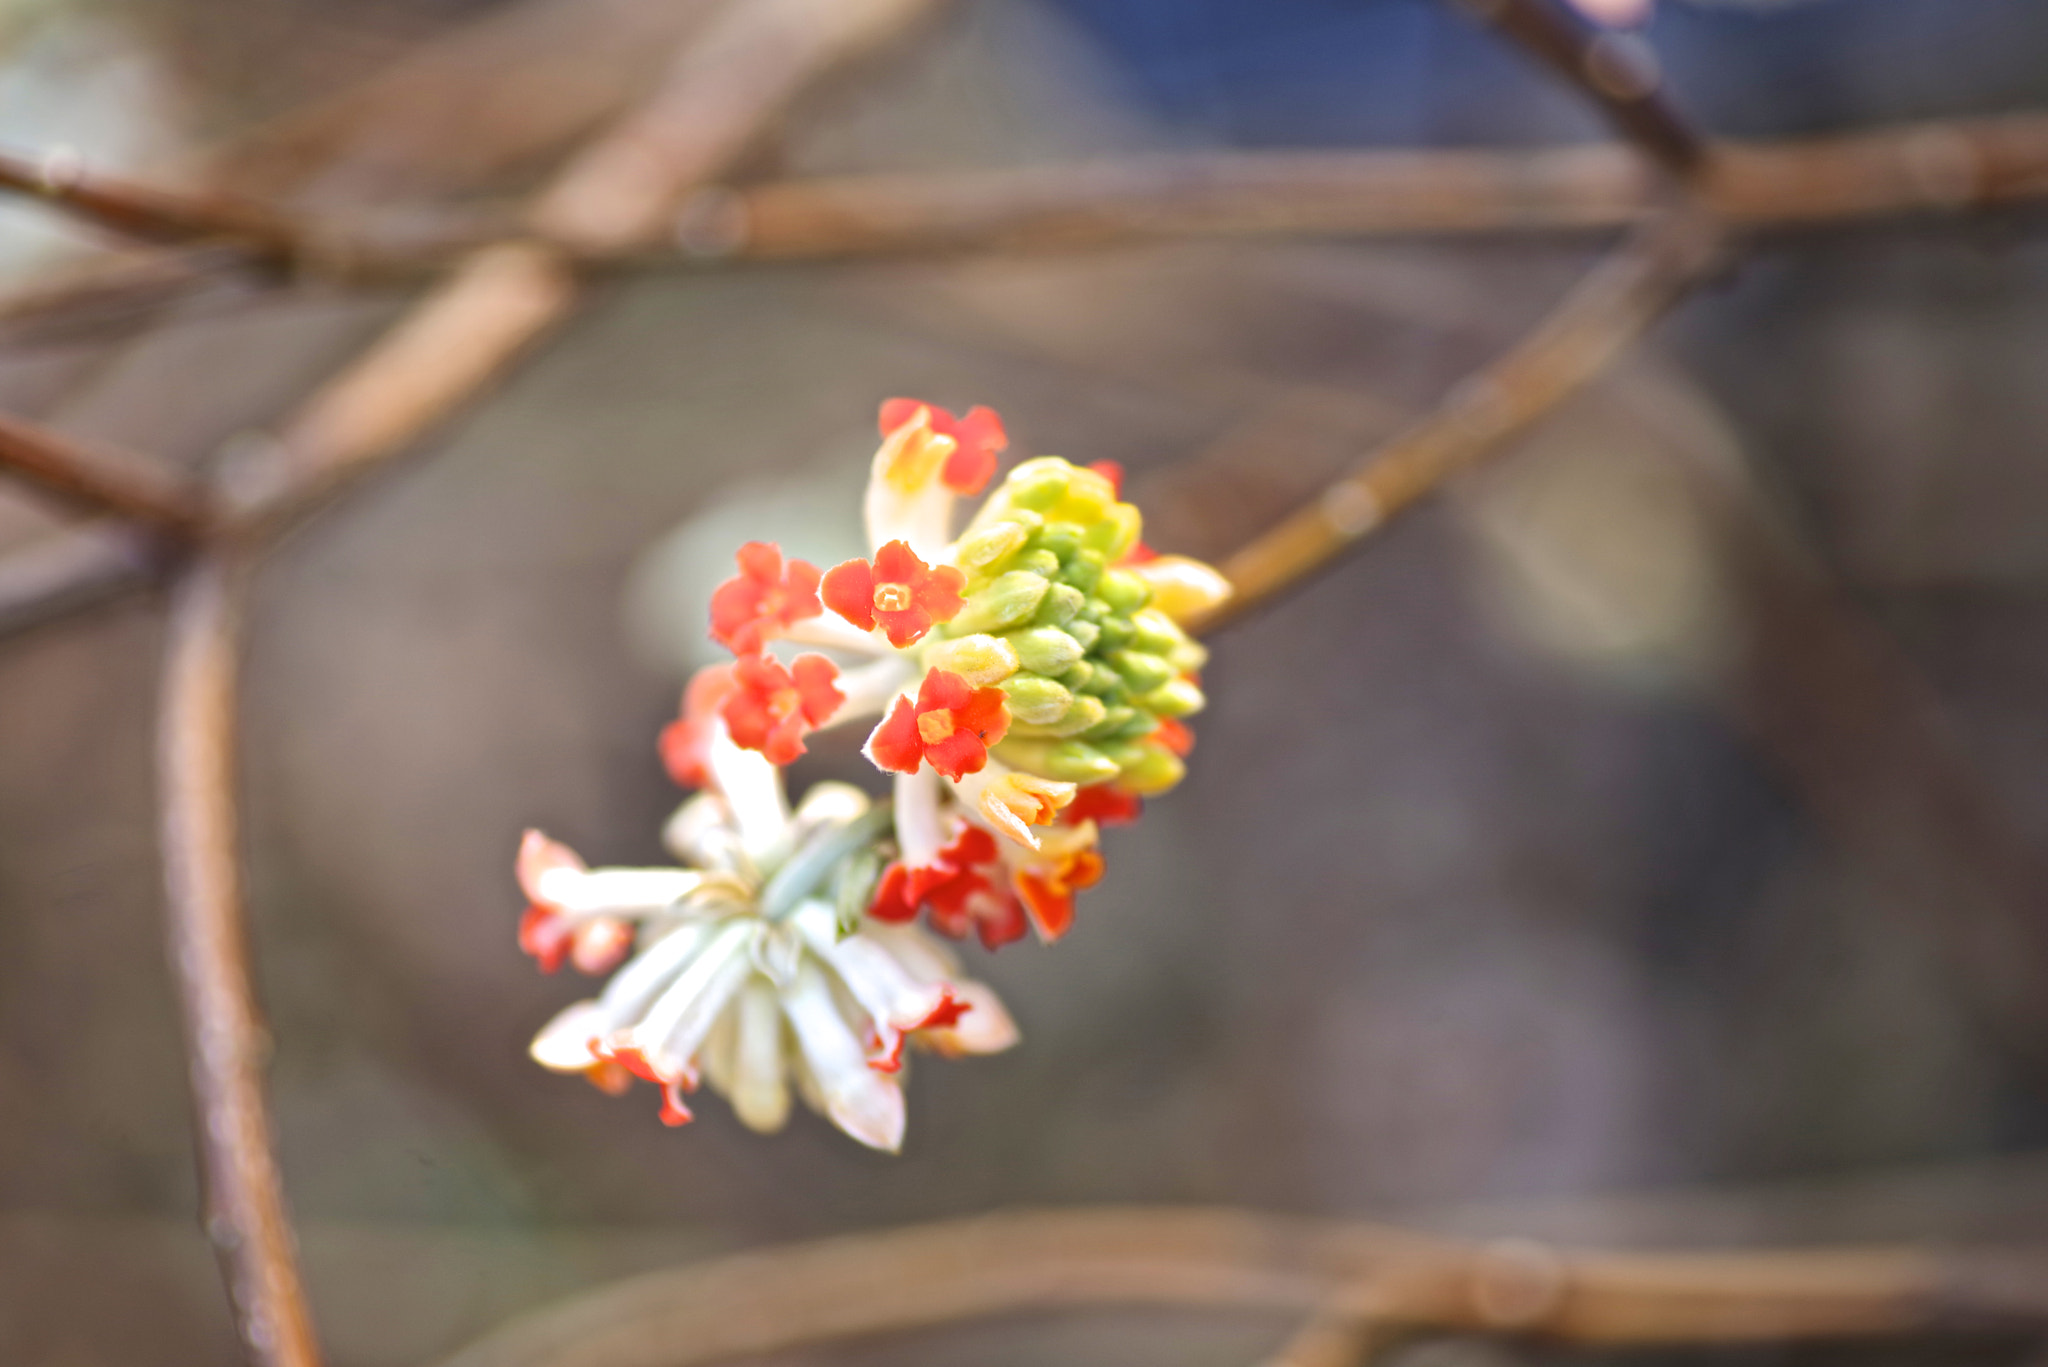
(763,599)
(686,741)
(976,439)
(771,707)
(959,889)
(1105,804)
(899,591)
(1048,890)
(951,725)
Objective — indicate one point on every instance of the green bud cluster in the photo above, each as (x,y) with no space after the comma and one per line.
(1098,668)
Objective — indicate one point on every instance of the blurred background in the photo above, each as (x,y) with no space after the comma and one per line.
(1662,810)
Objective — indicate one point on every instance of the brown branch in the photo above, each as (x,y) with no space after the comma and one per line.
(72,569)
(933,1275)
(1606,312)
(91,479)
(151,215)
(225,1039)
(503,298)
(1938,166)
(1618,71)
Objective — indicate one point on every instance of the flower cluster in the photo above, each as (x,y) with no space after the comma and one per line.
(1028,680)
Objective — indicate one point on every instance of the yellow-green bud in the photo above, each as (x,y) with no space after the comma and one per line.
(1154,631)
(1141,670)
(1082,569)
(1145,768)
(1178,698)
(1038,484)
(980,659)
(1065,761)
(1116,533)
(1035,700)
(1009,599)
(1061,538)
(1062,602)
(981,551)
(1083,715)
(1114,720)
(1084,631)
(1038,562)
(1045,650)
(1188,657)
(1123,591)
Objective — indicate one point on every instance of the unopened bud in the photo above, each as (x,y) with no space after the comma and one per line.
(1118,530)
(1007,601)
(1154,631)
(1046,650)
(1038,484)
(1123,591)
(1147,769)
(1069,761)
(983,550)
(1177,698)
(1188,657)
(980,659)
(1083,714)
(1084,631)
(1038,562)
(1183,588)
(1062,602)
(1141,670)
(1035,700)
(1082,569)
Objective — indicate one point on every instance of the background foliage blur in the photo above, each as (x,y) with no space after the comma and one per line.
(1502,874)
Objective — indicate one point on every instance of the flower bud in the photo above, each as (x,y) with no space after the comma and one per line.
(1177,698)
(983,550)
(1188,657)
(1115,717)
(1118,530)
(1061,538)
(980,659)
(1084,631)
(1083,714)
(1145,768)
(1082,569)
(1034,700)
(1154,631)
(1062,602)
(1045,650)
(1142,670)
(1038,562)
(1007,601)
(1183,588)
(1038,484)
(1069,761)
(1123,591)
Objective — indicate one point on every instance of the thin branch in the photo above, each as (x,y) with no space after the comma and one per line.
(921,1277)
(504,298)
(225,1038)
(1618,71)
(150,215)
(91,479)
(1940,166)
(72,569)
(1606,312)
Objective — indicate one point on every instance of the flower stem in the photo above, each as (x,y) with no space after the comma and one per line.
(810,866)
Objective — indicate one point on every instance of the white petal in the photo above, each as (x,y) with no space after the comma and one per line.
(866,1104)
(920,834)
(633,988)
(829,631)
(759,1096)
(872,688)
(672,1030)
(986,1027)
(614,892)
(752,787)
(828,805)
(563,1044)
(703,834)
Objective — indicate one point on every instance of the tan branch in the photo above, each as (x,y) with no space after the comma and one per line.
(92,479)
(74,568)
(225,1039)
(1606,312)
(1617,71)
(150,215)
(940,1274)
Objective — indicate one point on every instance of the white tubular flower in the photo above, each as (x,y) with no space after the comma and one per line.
(1030,675)
(754,969)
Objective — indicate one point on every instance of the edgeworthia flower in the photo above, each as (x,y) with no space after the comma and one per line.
(752,969)
(1030,675)
(1028,679)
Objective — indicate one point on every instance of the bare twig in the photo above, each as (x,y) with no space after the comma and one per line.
(939,1274)
(1942,166)
(1607,311)
(88,478)
(74,568)
(1617,70)
(504,298)
(150,215)
(225,1039)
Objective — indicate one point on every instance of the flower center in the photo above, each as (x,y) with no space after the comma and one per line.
(892,597)
(935,725)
